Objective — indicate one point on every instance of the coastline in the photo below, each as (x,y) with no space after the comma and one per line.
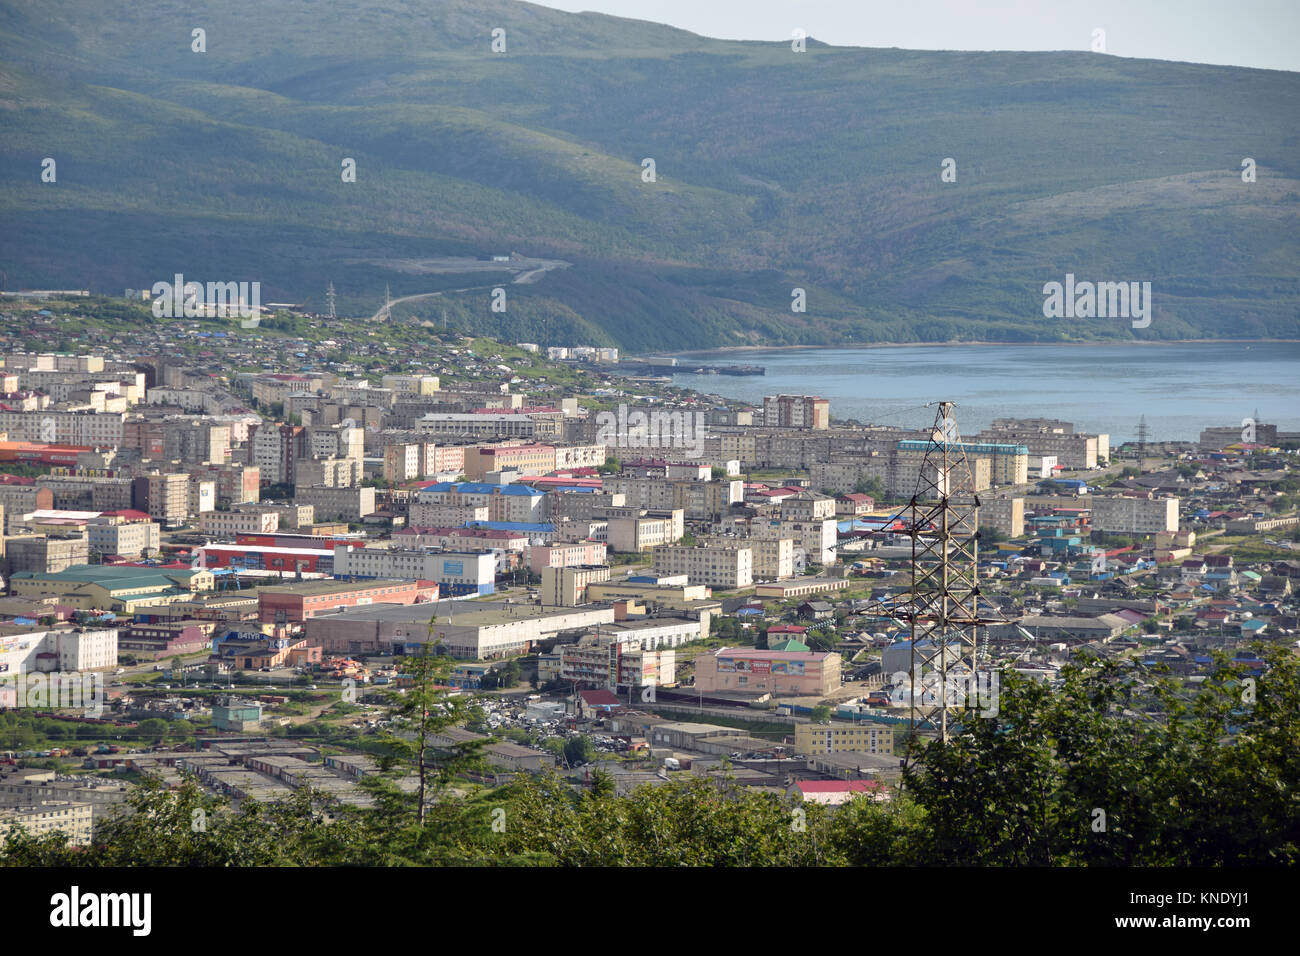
(727,349)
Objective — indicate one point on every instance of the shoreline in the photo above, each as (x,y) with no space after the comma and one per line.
(725,349)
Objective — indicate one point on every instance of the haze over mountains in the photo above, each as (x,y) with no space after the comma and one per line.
(774,170)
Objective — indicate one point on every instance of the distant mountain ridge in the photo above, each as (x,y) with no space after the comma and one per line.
(774,170)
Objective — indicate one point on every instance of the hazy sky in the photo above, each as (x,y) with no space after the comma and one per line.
(1258,33)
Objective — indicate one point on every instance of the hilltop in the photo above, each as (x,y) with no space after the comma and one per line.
(774,170)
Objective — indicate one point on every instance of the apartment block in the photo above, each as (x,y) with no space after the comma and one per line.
(337,504)
(1135,515)
(843,738)
(773,558)
(227,524)
(796,411)
(720,567)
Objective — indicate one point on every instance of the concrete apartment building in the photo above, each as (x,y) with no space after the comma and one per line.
(613,660)
(412,460)
(475,427)
(565,555)
(516,503)
(843,738)
(68,649)
(247,520)
(796,411)
(527,459)
(46,554)
(1134,515)
(773,558)
(337,504)
(48,817)
(639,532)
(567,586)
(112,535)
(328,472)
(1003,514)
(1045,437)
(165,498)
(411,385)
(457,572)
(719,567)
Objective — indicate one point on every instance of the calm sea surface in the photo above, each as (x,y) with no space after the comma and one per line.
(1180,389)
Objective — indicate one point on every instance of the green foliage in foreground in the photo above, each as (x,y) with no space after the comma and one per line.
(1202,780)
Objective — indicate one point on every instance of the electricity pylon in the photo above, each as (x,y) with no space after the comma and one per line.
(942,603)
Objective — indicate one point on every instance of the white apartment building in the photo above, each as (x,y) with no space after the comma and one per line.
(727,568)
(773,558)
(457,572)
(227,524)
(1135,515)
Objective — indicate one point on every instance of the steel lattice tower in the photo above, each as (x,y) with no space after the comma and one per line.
(942,603)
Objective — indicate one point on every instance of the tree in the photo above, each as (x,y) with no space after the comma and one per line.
(870,486)
(821,714)
(152,728)
(418,712)
(579,749)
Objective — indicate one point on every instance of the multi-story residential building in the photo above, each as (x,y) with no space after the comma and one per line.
(57,427)
(269,389)
(843,738)
(247,520)
(473,426)
(457,572)
(337,504)
(567,586)
(43,819)
(615,660)
(568,457)
(45,554)
(1126,515)
(277,449)
(411,385)
(425,515)
(721,567)
(165,497)
(531,459)
(796,411)
(70,649)
(637,532)
(330,472)
(203,494)
(237,484)
(122,536)
(410,460)
(1003,514)
(565,555)
(20,499)
(773,558)
(1045,437)
(517,503)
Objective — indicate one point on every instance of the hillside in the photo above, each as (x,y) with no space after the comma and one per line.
(774,170)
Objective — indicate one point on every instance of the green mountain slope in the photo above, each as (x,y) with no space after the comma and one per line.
(775,170)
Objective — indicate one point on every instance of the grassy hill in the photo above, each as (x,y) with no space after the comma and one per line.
(774,170)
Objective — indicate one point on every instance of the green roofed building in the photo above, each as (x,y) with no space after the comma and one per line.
(788,645)
(120,588)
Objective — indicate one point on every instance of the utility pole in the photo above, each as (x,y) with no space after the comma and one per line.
(942,603)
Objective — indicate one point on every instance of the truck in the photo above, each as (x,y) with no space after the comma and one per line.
(672,763)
